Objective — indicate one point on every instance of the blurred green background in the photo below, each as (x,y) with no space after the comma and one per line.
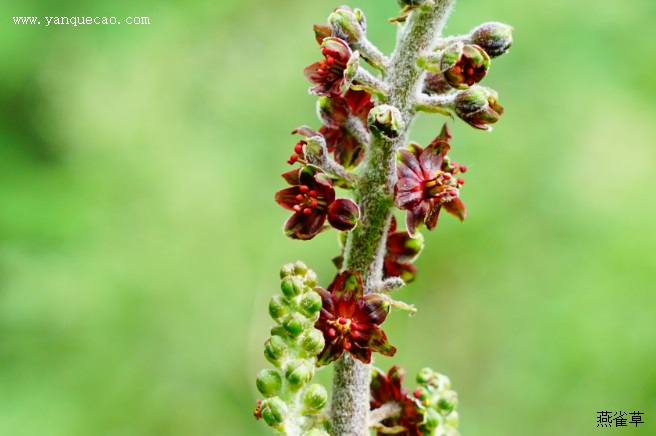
(139,240)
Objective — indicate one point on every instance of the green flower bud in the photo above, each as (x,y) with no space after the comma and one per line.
(294,324)
(452,419)
(310,304)
(274,349)
(433,419)
(268,382)
(311,279)
(287,270)
(274,411)
(300,269)
(448,401)
(312,341)
(315,397)
(346,25)
(299,372)
(291,286)
(425,376)
(385,122)
(278,330)
(278,307)
(495,38)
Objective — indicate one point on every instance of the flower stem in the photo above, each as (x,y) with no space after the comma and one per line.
(365,246)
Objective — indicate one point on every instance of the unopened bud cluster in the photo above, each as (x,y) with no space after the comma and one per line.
(438,403)
(291,403)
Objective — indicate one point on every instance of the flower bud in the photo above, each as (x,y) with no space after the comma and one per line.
(310,304)
(452,419)
(478,107)
(425,376)
(274,411)
(287,270)
(312,341)
(268,382)
(311,279)
(385,122)
(274,349)
(315,397)
(433,419)
(299,372)
(464,65)
(291,286)
(294,324)
(278,307)
(495,38)
(300,269)
(346,25)
(448,401)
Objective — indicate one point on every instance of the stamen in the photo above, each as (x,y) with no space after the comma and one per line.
(463,169)
(299,148)
(447,176)
(330,61)
(299,197)
(342,320)
(347,345)
(470,71)
(332,332)
(461,181)
(304,189)
(297,208)
(312,193)
(307,211)
(314,203)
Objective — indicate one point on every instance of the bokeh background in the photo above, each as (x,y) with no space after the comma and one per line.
(139,240)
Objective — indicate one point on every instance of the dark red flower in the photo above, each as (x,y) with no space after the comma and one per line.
(427,183)
(312,198)
(349,320)
(340,115)
(464,65)
(328,75)
(402,250)
(386,389)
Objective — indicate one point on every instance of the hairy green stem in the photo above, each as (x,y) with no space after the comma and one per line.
(365,247)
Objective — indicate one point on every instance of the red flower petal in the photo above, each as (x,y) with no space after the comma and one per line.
(433,215)
(343,214)
(304,227)
(456,208)
(431,159)
(287,197)
(407,166)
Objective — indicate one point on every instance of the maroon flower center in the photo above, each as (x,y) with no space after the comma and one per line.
(470,72)
(330,65)
(342,326)
(308,201)
(442,186)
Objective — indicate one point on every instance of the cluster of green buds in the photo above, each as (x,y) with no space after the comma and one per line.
(438,403)
(291,405)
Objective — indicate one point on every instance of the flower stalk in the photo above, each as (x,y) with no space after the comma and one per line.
(363,147)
